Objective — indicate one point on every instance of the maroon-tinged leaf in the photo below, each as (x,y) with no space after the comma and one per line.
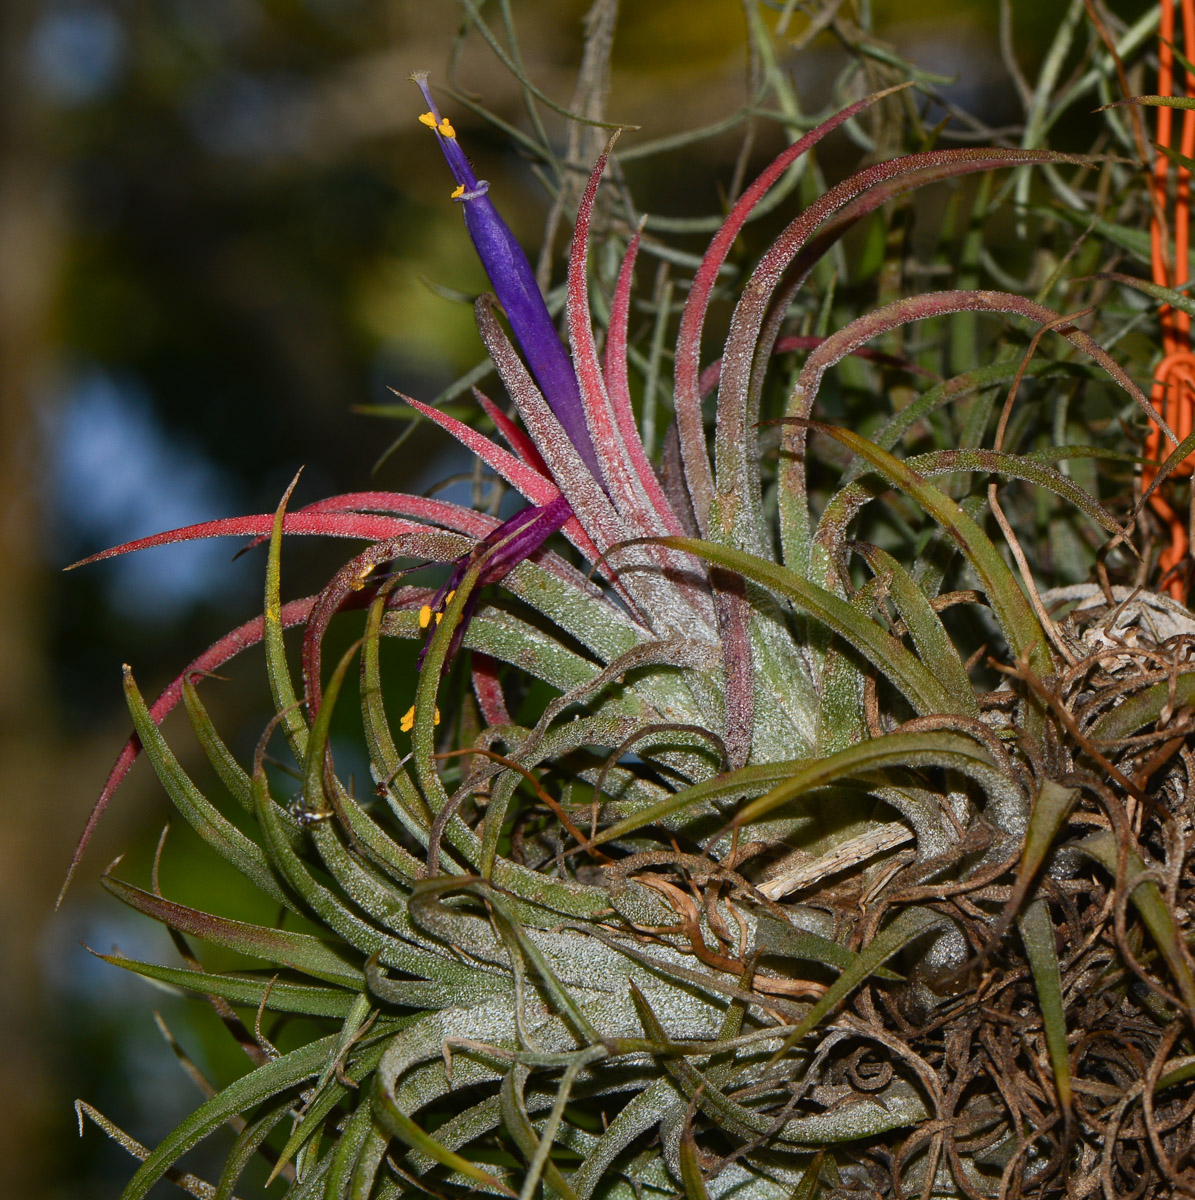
(619,390)
(632,501)
(690,424)
(215,656)
(438,512)
(419,542)
(299,951)
(515,437)
(952,164)
(368,526)
(760,312)
(538,488)
(738,665)
(623,483)
(568,470)
(453,517)
(599,526)
(487,686)
(424,508)
(793,507)
(710,376)
(882,183)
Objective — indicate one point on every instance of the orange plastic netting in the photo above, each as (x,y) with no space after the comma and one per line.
(1174,377)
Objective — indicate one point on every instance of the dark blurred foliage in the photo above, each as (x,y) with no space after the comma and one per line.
(217,218)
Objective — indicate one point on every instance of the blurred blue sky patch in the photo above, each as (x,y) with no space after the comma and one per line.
(76,52)
(115,473)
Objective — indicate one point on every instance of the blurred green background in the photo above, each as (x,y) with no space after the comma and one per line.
(216,222)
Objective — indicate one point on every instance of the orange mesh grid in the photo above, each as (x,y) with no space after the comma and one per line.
(1174,377)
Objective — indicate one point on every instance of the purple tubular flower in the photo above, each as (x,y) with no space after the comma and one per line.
(514,284)
(506,547)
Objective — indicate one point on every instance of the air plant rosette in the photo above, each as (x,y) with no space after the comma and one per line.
(772,898)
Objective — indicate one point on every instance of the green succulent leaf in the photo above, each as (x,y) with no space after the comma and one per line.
(883,651)
(911,923)
(300,951)
(231,773)
(1147,896)
(272,995)
(930,639)
(211,825)
(1025,635)
(1037,932)
(260,1085)
(1144,707)
(286,702)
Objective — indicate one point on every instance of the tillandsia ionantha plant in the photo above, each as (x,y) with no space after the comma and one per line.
(717,864)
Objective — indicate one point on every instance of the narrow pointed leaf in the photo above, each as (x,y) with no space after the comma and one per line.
(933,643)
(232,774)
(286,702)
(275,1077)
(910,924)
(1025,635)
(288,949)
(924,692)
(1148,899)
(273,994)
(1037,933)
(207,821)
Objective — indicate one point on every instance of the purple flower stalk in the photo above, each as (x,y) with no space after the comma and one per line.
(515,286)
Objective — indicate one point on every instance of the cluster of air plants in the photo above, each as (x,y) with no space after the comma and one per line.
(787,834)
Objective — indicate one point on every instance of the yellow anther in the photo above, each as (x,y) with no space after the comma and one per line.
(446,129)
(360,580)
(425,616)
(408,719)
(439,618)
(460,191)
(448,598)
(428,119)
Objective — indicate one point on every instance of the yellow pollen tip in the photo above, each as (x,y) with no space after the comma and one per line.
(448,598)
(425,616)
(460,191)
(439,618)
(408,719)
(446,129)
(428,119)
